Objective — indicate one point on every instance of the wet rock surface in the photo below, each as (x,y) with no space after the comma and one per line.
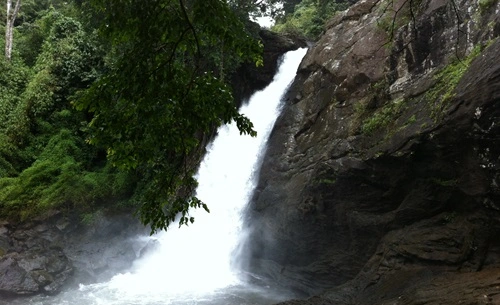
(380,184)
(49,254)
(249,78)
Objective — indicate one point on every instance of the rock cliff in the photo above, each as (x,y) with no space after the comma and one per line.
(381,181)
(249,78)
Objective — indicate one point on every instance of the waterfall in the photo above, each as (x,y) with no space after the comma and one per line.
(192,265)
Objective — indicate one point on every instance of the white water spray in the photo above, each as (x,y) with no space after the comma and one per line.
(192,265)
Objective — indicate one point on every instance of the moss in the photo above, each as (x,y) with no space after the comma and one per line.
(485,5)
(380,85)
(327,181)
(408,122)
(391,19)
(446,82)
(390,24)
(384,116)
(360,108)
(450,217)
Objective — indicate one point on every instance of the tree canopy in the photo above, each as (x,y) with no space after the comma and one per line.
(307,17)
(163,92)
(144,82)
(44,161)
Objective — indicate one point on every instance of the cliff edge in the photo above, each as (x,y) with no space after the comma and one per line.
(381,182)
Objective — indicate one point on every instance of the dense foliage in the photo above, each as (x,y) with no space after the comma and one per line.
(143,82)
(308,17)
(44,160)
(163,92)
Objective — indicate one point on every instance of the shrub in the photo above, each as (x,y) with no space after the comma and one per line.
(308,18)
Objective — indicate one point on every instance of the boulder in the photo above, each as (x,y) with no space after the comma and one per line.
(45,255)
(34,272)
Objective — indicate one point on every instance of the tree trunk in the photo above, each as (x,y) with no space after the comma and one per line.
(9,27)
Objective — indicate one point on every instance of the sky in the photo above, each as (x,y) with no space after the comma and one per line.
(265,22)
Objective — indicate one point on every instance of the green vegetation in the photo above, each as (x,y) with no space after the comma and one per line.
(384,116)
(309,17)
(390,23)
(396,15)
(144,82)
(57,178)
(327,181)
(412,119)
(163,90)
(44,161)
(360,108)
(485,5)
(447,80)
(450,217)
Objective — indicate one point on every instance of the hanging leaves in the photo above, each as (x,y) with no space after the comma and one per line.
(163,92)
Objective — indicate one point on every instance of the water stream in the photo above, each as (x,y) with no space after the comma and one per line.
(196,264)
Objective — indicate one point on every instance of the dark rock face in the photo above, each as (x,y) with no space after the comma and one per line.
(31,264)
(46,255)
(380,184)
(249,78)
(32,272)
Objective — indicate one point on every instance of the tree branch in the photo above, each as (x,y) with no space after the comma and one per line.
(181,3)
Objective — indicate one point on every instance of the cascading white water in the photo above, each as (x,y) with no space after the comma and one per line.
(192,265)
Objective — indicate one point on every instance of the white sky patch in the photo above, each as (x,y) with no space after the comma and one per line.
(268,22)
(265,22)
